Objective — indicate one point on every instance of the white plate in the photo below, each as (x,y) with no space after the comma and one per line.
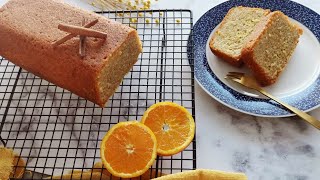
(298,85)
(301,71)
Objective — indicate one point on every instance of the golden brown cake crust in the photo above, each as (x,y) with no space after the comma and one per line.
(231,60)
(247,52)
(259,74)
(28,28)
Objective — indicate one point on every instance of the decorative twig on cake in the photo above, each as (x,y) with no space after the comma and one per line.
(82,45)
(70,36)
(81,31)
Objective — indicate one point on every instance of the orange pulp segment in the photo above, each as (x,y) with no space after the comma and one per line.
(128,149)
(172,125)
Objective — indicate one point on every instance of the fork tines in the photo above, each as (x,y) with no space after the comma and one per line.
(236,75)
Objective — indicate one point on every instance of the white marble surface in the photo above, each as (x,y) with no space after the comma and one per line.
(263,148)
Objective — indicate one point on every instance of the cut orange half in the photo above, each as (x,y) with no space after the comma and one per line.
(172,125)
(128,149)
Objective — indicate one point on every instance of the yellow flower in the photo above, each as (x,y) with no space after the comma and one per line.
(133,20)
(132,26)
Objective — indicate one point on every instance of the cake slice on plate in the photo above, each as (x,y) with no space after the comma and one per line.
(228,40)
(269,48)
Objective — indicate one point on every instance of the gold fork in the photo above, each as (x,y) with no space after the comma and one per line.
(251,83)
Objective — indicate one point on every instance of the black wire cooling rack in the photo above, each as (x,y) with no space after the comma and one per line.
(56,132)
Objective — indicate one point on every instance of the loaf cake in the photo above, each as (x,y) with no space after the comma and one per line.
(28,28)
(228,40)
(269,48)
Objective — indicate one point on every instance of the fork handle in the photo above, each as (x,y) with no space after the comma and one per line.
(313,121)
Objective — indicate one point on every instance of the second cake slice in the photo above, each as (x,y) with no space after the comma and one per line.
(269,48)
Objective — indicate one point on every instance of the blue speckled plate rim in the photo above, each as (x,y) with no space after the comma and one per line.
(306,100)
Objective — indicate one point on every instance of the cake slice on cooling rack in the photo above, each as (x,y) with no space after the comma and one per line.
(228,40)
(28,29)
(270,47)
(11,164)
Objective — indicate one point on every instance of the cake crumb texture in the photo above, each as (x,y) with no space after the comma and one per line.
(270,47)
(228,40)
(6,163)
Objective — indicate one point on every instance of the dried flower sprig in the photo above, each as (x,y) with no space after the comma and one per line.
(113,5)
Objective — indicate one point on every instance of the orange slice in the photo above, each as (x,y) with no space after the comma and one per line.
(172,125)
(128,149)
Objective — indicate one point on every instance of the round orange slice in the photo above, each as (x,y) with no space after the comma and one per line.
(128,149)
(172,125)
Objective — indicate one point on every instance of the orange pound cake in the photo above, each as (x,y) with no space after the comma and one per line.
(270,46)
(228,40)
(28,29)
